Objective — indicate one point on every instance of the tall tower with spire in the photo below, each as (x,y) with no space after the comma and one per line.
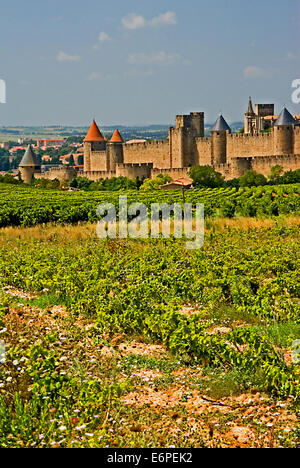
(250,119)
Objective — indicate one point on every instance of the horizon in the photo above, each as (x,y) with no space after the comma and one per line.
(132,64)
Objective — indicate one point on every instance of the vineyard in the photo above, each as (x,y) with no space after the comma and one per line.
(26,206)
(226,314)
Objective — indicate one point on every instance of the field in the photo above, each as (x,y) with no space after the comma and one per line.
(26,206)
(142,343)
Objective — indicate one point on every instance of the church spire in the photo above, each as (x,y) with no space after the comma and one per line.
(250,110)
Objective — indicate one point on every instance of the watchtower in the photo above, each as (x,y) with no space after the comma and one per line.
(29,165)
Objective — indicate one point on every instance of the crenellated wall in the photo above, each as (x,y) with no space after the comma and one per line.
(204,151)
(155,152)
(99,160)
(134,170)
(175,173)
(230,154)
(97,175)
(240,145)
(263,165)
(60,173)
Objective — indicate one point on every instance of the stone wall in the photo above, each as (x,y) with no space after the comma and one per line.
(176,147)
(156,152)
(97,175)
(60,173)
(173,173)
(99,160)
(134,170)
(297,140)
(263,165)
(204,151)
(239,145)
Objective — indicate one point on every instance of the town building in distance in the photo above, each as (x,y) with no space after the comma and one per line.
(50,142)
(266,142)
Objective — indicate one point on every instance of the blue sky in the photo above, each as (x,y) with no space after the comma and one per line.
(141,62)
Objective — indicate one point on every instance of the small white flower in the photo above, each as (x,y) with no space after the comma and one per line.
(80,428)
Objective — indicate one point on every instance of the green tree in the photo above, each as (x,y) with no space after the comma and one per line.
(206,176)
(71,160)
(252,179)
(155,184)
(80,160)
(276,172)
(290,177)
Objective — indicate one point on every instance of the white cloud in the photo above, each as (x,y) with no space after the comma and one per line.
(291,56)
(134,21)
(104,37)
(94,76)
(168,18)
(256,72)
(159,58)
(134,72)
(63,57)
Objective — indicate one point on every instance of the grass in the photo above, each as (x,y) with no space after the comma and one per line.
(121,389)
(281,334)
(45,301)
(84,231)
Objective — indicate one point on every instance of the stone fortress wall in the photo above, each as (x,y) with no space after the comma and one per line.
(230,154)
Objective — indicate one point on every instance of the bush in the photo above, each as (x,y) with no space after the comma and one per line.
(9,179)
(252,179)
(155,184)
(206,176)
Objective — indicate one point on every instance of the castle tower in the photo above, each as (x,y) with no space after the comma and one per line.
(115,150)
(94,141)
(183,150)
(284,134)
(219,141)
(29,165)
(249,119)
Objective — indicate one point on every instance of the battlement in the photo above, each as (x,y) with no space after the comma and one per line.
(248,136)
(99,153)
(203,139)
(146,145)
(133,165)
(97,175)
(175,173)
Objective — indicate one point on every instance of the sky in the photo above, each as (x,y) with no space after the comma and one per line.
(137,62)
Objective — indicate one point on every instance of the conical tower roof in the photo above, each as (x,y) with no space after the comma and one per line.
(94,133)
(285,118)
(250,110)
(117,138)
(221,125)
(29,159)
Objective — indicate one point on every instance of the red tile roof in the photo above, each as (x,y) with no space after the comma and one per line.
(117,138)
(94,134)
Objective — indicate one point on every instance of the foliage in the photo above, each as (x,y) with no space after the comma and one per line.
(28,206)
(129,287)
(155,184)
(252,179)
(206,176)
(8,179)
(276,172)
